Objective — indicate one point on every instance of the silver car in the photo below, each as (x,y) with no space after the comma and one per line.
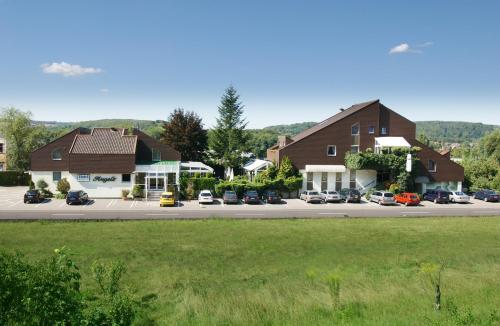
(459,197)
(330,196)
(383,198)
(311,196)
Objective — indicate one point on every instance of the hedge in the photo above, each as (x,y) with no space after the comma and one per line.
(14,178)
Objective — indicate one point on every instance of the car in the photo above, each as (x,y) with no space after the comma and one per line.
(350,195)
(205,197)
(251,197)
(77,197)
(33,196)
(437,196)
(329,196)
(459,197)
(407,198)
(383,198)
(271,197)
(487,195)
(230,197)
(167,199)
(311,196)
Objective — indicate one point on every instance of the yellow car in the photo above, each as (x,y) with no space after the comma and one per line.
(167,199)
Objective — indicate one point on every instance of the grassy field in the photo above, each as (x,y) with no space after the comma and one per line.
(263,272)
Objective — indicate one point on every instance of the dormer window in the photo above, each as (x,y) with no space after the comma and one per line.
(57,154)
(156,155)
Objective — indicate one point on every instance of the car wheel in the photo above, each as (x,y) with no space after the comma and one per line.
(27,202)
(486,199)
(435,201)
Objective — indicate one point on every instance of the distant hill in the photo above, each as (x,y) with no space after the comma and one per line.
(291,129)
(453,131)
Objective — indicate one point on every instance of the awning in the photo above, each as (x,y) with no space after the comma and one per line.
(257,165)
(325,168)
(391,142)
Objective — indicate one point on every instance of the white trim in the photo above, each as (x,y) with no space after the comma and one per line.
(325,168)
(328,149)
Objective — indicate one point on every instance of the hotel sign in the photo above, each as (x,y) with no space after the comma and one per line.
(98,178)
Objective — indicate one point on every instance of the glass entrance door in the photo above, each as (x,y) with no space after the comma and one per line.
(156,183)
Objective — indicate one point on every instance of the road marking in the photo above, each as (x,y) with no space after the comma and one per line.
(332,213)
(161,214)
(111,203)
(415,212)
(249,214)
(67,214)
(133,203)
(14,204)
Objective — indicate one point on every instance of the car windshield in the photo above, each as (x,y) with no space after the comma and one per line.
(205,194)
(73,193)
(443,194)
(271,193)
(230,193)
(332,193)
(166,196)
(459,193)
(31,192)
(252,193)
(313,192)
(413,197)
(388,194)
(490,192)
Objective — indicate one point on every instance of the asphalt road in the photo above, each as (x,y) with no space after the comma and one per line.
(248,212)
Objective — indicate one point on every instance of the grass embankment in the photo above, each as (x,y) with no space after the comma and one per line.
(272,271)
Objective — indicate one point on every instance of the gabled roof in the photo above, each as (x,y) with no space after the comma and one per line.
(104,141)
(339,116)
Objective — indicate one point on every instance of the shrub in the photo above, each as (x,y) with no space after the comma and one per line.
(125,193)
(63,186)
(41,184)
(137,192)
(60,196)
(369,193)
(394,188)
(47,193)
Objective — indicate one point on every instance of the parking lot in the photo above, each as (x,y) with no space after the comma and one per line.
(13,207)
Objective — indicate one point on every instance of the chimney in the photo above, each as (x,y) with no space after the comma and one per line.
(283,141)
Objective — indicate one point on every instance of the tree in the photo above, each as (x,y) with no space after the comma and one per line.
(228,140)
(184,132)
(286,169)
(22,137)
(63,186)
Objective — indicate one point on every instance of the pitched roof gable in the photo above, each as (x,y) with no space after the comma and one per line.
(104,141)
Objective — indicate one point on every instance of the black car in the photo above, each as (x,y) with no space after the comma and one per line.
(251,197)
(487,195)
(33,196)
(271,197)
(437,196)
(350,195)
(77,197)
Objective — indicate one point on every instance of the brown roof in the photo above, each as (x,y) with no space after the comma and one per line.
(325,123)
(104,141)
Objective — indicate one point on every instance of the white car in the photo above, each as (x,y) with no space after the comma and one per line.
(205,197)
(330,196)
(458,197)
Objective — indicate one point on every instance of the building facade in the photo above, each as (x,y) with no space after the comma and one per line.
(103,161)
(319,151)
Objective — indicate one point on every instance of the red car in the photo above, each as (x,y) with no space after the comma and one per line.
(407,198)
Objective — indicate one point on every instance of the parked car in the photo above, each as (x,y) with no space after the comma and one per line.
(459,197)
(167,199)
(251,197)
(205,197)
(230,197)
(33,196)
(407,198)
(350,195)
(487,195)
(437,196)
(330,196)
(77,197)
(311,196)
(383,198)
(271,197)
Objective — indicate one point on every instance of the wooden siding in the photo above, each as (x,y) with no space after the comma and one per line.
(101,163)
(145,145)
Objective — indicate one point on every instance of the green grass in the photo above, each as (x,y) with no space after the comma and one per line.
(263,272)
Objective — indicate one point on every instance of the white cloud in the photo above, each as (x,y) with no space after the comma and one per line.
(104,90)
(66,69)
(406,48)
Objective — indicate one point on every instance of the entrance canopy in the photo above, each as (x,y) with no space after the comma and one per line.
(160,167)
(391,142)
(325,168)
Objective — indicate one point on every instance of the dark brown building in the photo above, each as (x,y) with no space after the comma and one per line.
(103,161)
(319,151)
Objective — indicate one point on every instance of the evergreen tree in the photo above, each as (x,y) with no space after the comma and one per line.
(228,140)
(184,132)
(286,169)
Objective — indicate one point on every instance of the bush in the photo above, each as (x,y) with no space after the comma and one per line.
(137,192)
(369,193)
(190,187)
(63,186)
(47,193)
(14,178)
(125,193)
(41,184)
(60,196)
(394,188)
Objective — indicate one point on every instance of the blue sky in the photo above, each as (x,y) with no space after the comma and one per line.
(291,61)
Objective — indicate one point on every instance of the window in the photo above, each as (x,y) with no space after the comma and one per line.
(1,147)
(432,166)
(309,185)
(352,179)
(126,177)
(371,130)
(324,180)
(156,155)
(383,131)
(331,150)
(338,181)
(355,138)
(83,178)
(56,176)
(56,154)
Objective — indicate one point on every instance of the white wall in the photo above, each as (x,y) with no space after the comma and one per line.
(363,178)
(95,189)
